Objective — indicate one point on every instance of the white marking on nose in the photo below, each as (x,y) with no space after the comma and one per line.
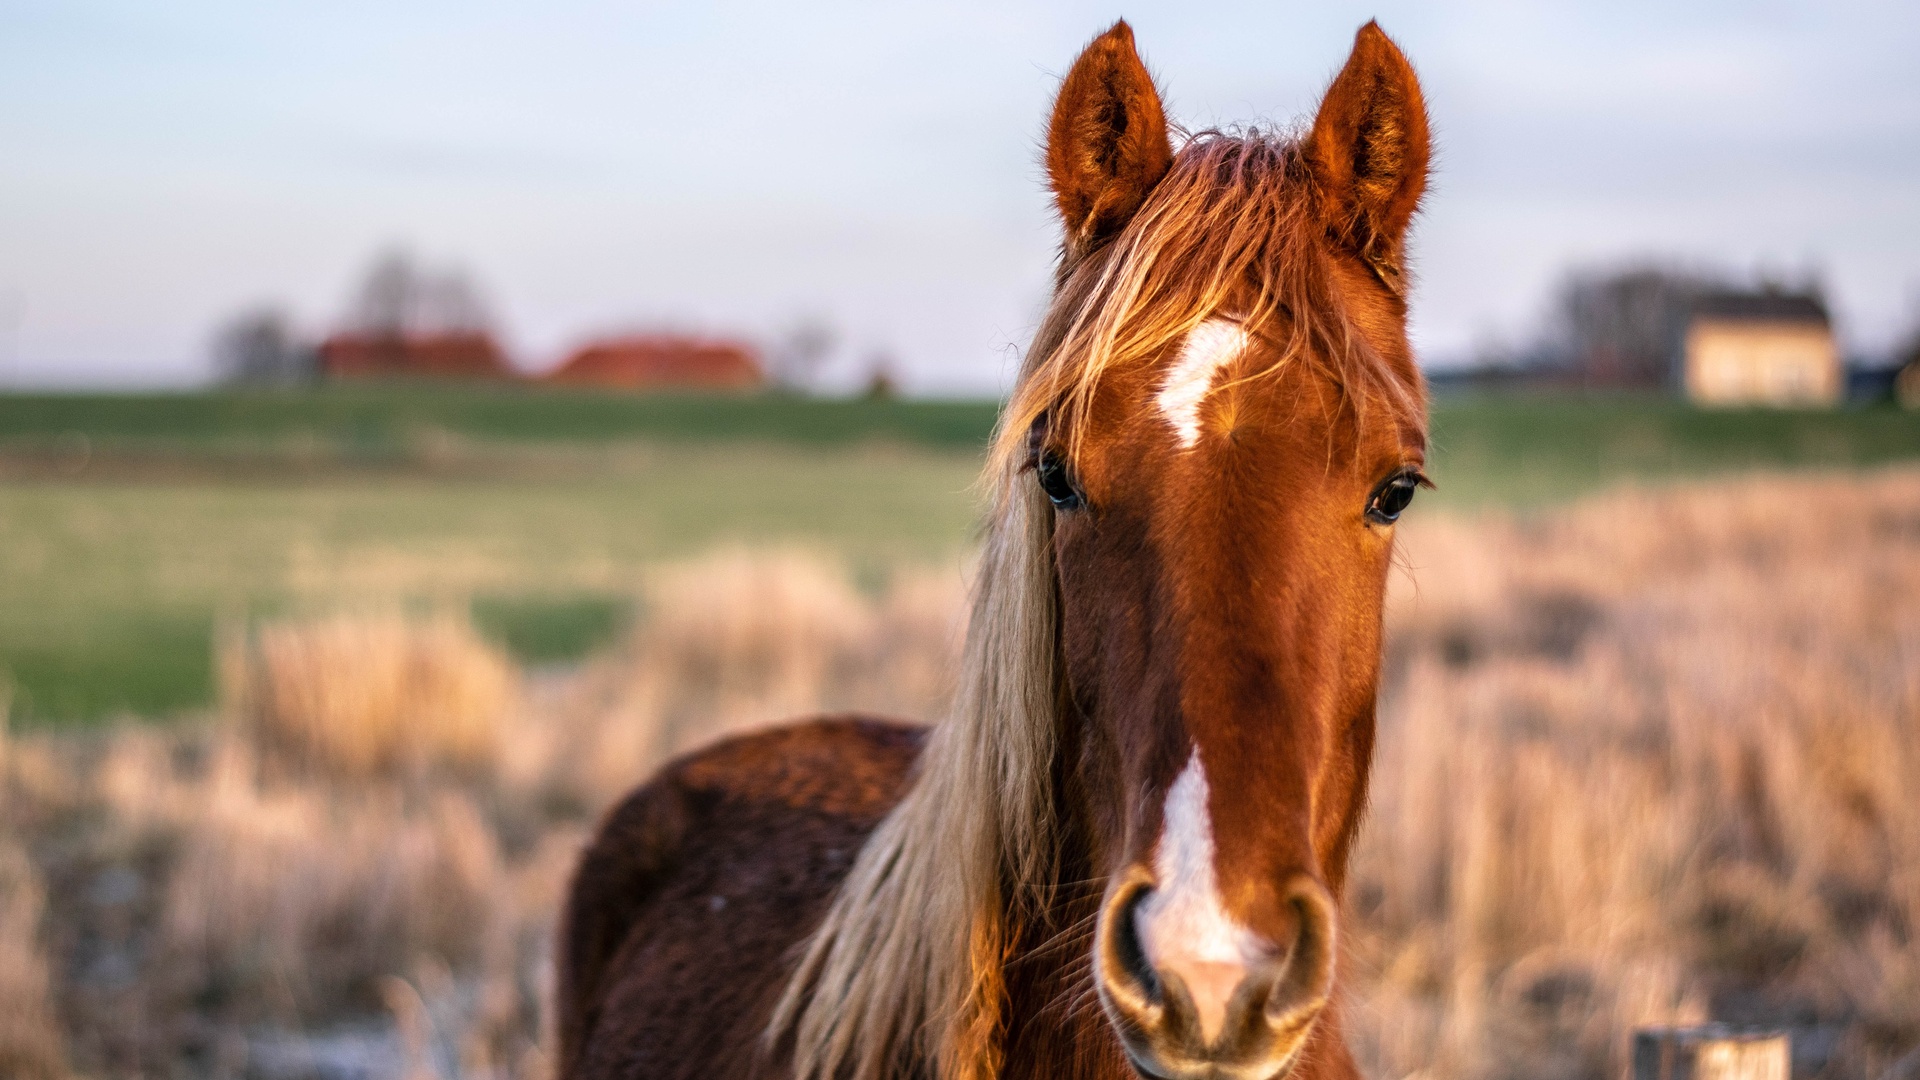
(1209,347)
(1182,925)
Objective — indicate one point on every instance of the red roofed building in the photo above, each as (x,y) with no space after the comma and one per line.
(459,354)
(662,362)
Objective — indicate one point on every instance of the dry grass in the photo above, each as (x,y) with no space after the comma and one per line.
(32,1046)
(371,844)
(1649,758)
(366,694)
(741,638)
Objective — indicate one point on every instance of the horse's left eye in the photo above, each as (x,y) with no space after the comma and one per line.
(1057,481)
(1390,499)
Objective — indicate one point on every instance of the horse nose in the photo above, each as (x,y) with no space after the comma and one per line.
(1189,998)
(1210,985)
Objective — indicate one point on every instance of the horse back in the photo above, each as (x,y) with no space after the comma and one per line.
(683,918)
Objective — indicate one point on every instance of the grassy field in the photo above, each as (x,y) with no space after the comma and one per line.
(110,586)
(386,421)
(1645,759)
(1521,450)
(131,527)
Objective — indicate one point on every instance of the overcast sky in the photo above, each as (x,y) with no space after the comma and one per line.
(598,167)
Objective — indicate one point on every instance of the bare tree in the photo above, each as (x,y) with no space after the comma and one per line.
(1626,327)
(398,297)
(796,359)
(883,380)
(385,297)
(259,348)
(13,312)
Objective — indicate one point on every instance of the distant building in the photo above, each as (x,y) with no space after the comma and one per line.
(662,362)
(1761,348)
(1906,384)
(460,354)
(413,323)
(1690,332)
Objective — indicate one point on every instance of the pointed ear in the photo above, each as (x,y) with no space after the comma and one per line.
(1368,151)
(1107,145)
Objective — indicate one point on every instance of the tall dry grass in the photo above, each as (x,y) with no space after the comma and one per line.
(372,693)
(1647,758)
(32,1046)
(355,870)
(740,638)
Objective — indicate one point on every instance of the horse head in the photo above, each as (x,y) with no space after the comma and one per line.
(1225,417)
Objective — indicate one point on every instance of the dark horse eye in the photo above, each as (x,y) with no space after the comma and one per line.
(1390,499)
(1057,482)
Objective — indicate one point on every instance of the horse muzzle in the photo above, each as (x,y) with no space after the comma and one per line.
(1189,1005)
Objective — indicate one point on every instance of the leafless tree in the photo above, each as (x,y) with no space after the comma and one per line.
(1625,327)
(398,297)
(883,380)
(796,359)
(259,348)
(13,312)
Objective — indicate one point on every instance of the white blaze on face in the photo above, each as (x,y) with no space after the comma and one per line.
(1209,347)
(1183,927)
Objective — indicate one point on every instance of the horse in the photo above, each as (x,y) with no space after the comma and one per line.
(1123,850)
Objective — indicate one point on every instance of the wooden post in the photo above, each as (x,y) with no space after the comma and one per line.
(1711,1052)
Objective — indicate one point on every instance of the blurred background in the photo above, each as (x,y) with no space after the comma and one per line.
(417,420)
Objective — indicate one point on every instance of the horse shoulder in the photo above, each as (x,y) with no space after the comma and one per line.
(682,918)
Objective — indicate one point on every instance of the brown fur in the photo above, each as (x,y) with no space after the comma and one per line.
(680,905)
(1107,144)
(1369,150)
(1222,600)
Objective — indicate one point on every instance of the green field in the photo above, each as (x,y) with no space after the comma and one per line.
(1526,449)
(132,526)
(375,422)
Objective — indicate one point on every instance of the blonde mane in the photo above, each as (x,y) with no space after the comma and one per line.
(907,966)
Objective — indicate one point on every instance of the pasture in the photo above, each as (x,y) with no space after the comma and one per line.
(1645,757)
(133,527)
(412,642)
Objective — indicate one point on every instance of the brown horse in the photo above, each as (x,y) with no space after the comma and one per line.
(1125,848)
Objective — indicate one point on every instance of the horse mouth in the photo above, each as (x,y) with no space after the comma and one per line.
(1158,1068)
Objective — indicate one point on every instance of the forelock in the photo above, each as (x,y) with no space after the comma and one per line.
(1230,231)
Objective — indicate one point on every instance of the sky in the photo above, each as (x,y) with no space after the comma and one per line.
(744,167)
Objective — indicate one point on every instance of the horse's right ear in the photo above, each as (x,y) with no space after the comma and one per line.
(1107,145)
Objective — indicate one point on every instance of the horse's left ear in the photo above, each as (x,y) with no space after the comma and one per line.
(1369,150)
(1107,145)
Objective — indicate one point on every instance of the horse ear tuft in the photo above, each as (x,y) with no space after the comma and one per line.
(1107,144)
(1369,149)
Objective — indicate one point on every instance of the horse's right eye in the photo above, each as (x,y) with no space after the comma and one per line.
(1057,481)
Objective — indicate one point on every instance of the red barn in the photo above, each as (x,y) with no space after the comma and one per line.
(459,354)
(662,362)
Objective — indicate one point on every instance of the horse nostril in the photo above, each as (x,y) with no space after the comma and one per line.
(1126,977)
(1305,984)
